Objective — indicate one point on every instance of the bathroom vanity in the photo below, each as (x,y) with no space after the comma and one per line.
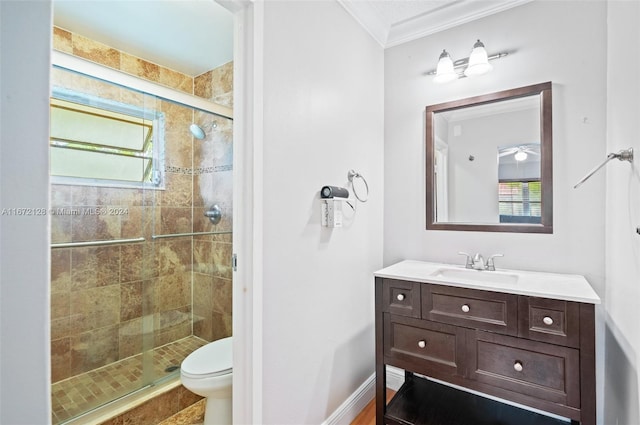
(473,342)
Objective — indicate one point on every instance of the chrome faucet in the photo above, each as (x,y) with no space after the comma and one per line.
(471,261)
(477,261)
(491,264)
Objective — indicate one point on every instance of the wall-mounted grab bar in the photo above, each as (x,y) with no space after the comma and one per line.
(177,235)
(96,243)
(623,155)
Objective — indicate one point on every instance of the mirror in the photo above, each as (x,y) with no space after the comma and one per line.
(489,162)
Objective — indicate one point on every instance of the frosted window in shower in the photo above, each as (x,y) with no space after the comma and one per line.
(104,142)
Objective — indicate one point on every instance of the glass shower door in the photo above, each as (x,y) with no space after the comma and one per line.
(141,230)
(104,148)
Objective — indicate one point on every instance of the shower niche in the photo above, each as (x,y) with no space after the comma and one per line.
(140,275)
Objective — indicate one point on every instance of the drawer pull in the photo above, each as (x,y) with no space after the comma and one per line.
(547,320)
(422,343)
(400,297)
(465,308)
(518,366)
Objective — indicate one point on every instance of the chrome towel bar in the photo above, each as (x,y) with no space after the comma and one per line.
(132,240)
(623,155)
(96,243)
(176,235)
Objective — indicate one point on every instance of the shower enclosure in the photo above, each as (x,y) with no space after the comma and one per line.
(141,238)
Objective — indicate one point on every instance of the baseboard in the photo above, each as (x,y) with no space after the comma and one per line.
(354,404)
(357,401)
(395,378)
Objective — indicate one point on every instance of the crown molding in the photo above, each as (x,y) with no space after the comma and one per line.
(438,19)
(368,18)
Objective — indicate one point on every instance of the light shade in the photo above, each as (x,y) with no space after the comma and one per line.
(478,61)
(520,156)
(444,70)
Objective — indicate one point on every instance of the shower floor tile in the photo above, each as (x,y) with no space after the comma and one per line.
(82,393)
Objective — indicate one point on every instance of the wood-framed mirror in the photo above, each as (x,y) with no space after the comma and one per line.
(489,162)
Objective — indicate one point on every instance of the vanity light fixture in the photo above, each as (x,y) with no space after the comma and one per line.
(476,64)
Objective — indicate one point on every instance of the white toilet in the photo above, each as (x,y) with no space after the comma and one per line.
(208,372)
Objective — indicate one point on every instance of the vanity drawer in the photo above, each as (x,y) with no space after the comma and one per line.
(491,311)
(401,297)
(544,371)
(547,320)
(424,347)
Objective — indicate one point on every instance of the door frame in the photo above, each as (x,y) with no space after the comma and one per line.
(247,210)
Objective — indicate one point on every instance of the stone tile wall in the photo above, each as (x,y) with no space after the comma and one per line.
(77,45)
(212,272)
(216,85)
(161,410)
(106,299)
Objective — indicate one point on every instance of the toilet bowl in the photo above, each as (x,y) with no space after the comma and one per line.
(208,372)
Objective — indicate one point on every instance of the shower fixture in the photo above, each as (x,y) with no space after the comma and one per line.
(214,214)
(200,132)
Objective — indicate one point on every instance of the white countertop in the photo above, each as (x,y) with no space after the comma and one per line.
(568,287)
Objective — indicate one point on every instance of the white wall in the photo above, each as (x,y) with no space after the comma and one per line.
(559,41)
(25,29)
(323,115)
(622,398)
(548,47)
(474,184)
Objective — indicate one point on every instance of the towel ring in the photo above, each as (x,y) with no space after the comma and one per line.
(353,174)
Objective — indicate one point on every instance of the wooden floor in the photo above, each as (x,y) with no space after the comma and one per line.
(368,414)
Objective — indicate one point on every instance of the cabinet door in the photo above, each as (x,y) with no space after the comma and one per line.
(544,371)
(424,347)
(401,297)
(471,308)
(553,321)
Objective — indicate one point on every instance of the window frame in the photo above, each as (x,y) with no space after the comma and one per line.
(523,202)
(157,118)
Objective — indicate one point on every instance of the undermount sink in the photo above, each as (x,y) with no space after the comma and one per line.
(475,275)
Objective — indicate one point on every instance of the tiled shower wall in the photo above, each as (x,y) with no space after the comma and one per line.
(103,296)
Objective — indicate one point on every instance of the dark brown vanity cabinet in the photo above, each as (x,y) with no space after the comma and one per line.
(533,351)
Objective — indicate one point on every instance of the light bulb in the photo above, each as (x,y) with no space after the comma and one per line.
(444,70)
(478,61)
(520,156)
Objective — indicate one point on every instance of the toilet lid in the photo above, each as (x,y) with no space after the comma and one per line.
(212,359)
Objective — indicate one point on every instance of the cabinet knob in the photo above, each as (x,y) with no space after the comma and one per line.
(465,308)
(422,343)
(400,297)
(547,320)
(518,366)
